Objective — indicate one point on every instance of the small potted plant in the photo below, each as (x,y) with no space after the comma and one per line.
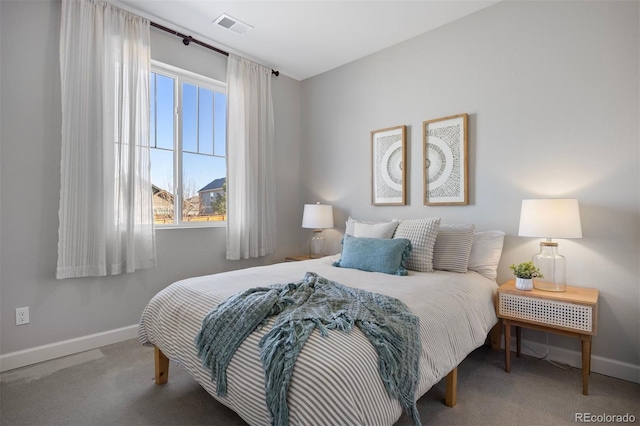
(525,272)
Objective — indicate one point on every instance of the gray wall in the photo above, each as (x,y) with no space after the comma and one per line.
(552,93)
(30,187)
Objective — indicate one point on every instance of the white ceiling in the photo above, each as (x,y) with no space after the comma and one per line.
(305,38)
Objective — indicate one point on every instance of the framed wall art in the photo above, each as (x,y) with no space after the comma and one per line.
(388,167)
(445,161)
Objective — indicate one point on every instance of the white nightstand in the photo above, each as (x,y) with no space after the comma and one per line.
(573,312)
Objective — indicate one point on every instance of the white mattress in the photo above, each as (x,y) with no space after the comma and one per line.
(336,379)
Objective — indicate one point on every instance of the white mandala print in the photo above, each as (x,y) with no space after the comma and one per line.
(391,166)
(439,162)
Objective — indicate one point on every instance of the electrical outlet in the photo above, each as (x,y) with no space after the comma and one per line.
(22,316)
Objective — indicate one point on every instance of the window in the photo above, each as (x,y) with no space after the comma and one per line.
(188,135)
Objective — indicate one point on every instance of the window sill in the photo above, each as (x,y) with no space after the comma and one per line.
(219,224)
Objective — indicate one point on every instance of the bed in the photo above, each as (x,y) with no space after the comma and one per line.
(335,380)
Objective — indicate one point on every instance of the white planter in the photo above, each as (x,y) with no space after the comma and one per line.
(525,284)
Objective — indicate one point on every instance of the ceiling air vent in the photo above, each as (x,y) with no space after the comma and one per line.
(232,24)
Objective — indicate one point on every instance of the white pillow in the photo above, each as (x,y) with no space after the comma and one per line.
(422,233)
(486,252)
(375,230)
(372,229)
(453,247)
(351,223)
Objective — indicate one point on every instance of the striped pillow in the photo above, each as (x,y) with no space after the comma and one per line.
(453,247)
(422,233)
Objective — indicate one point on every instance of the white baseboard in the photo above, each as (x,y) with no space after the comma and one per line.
(601,365)
(67,347)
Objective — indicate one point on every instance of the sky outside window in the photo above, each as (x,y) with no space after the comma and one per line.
(203,134)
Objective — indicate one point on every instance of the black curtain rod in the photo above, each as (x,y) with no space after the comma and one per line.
(188,39)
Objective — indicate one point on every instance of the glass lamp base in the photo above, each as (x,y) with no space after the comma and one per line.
(552,266)
(317,244)
(547,286)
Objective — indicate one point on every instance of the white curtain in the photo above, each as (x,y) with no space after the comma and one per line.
(251,218)
(106,217)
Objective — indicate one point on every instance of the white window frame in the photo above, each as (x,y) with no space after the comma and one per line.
(180,76)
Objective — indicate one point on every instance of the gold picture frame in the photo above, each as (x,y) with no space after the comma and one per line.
(388,166)
(446,161)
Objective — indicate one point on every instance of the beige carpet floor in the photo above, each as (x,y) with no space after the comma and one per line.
(114,385)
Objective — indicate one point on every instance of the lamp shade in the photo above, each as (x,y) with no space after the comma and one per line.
(317,216)
(550,218)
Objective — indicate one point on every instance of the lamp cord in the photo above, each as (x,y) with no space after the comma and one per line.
(545,356)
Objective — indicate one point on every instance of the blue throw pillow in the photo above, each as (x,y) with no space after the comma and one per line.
(375,254)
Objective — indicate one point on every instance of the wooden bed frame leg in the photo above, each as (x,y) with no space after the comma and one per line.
(451,389)
(162,367)
(495,336)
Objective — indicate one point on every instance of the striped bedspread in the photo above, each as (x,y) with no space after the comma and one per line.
(336,379)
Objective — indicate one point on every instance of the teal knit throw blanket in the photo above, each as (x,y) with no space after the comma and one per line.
(313,302)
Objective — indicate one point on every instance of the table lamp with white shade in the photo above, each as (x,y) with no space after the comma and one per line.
(550,218)
(317,217)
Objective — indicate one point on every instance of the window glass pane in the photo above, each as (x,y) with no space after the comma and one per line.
(164,114)
(203,179)
(195,154)
(220,124)
(162,185)
(152,110)
(189,117)
(205,121)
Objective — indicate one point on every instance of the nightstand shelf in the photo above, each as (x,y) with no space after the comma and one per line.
(296,258)
(573,312)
